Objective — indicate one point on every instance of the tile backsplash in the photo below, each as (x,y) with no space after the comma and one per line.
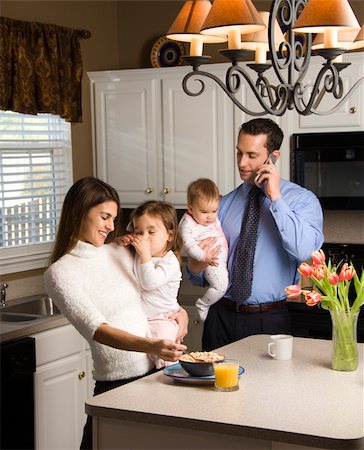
(24,287)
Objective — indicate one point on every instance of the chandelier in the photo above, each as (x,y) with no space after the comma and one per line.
(286,33)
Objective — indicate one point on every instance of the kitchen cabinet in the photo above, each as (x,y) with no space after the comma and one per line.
(150,139)
(193,339)
(63,381)
(350,116)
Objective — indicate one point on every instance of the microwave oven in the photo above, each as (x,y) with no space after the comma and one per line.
(332,166)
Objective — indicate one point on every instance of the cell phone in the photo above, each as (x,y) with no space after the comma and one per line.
(270,158)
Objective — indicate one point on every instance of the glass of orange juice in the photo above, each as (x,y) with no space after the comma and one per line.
(226,375)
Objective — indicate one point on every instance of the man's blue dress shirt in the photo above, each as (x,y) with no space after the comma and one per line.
(289,230)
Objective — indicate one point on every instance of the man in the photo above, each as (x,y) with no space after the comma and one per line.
(289,230)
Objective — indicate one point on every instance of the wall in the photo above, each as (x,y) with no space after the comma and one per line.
(100,52)
(123,33)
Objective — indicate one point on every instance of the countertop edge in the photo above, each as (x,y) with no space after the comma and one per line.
(225,428)
(18,331)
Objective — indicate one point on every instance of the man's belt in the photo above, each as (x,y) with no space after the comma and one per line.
(251,309)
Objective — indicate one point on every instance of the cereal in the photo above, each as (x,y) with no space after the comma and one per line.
(205,357)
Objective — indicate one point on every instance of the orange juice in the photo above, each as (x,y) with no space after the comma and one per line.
(226,375)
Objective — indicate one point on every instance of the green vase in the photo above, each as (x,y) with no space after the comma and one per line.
(344,340)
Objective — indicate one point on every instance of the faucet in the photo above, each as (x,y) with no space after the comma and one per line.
(3,294)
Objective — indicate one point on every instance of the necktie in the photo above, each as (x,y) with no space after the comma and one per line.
(244,257)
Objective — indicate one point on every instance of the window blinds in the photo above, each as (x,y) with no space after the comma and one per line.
(35,174)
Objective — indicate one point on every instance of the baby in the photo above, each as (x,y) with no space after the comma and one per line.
(201,222)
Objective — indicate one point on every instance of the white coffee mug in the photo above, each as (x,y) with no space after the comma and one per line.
(281,346)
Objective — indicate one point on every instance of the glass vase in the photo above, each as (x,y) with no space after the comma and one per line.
(344,340)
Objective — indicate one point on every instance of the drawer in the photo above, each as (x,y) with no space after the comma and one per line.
(57,343)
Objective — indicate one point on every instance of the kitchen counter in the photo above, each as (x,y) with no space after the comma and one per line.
(15,330)
(280,404)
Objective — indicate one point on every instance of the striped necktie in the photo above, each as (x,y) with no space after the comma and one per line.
(244,257)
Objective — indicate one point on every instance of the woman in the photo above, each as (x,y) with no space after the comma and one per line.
(93,285)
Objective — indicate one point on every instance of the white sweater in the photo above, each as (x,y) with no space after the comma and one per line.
(94,285)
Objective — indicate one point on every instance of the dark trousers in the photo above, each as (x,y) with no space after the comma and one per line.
(100,387)
(223,325)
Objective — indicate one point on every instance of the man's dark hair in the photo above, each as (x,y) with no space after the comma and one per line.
(264,126)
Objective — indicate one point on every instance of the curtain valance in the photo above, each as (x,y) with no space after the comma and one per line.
(40,69)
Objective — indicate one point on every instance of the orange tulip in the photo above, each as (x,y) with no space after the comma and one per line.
(293,291)
(312,298)
(347,272)
(333,278)
(318,257)
(319,271)
(305,270)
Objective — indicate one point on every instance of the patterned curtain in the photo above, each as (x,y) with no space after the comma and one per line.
(40,69)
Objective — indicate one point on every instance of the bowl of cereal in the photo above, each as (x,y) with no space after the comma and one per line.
(199,364)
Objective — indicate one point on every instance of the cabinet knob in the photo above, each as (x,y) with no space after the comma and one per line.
(81,375)
(196,322)
(166,190)
(149,190)
(353,110)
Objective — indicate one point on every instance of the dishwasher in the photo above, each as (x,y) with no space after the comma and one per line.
(17,394)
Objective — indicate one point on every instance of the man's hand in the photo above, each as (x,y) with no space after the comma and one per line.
(270,174)
(207,245)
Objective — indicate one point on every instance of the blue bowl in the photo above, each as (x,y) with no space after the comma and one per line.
(198,369)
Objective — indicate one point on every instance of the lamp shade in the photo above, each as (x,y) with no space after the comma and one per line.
(345,40)
(189,21)
(260,39)
(359,40)
(319,15)
(226,14)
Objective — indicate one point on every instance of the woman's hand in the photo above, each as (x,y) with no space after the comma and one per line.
(181,317)
(125,240)
(168,350)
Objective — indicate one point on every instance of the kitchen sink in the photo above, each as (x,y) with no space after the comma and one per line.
(17,317)
(29,308)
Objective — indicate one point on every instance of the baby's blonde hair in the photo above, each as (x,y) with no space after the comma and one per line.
(202,188)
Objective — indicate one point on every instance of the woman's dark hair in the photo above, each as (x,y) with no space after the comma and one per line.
(168,215)
(264,126)
(85,194)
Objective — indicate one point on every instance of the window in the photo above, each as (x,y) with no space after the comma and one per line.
(35,174)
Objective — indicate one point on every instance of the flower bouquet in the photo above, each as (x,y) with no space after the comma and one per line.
(331,291)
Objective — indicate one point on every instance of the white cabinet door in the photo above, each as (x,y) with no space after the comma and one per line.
(151,139)
(350,116)
(60,397)
(90,382)
(61,383)
(193,339)
(197,138)
(127,135)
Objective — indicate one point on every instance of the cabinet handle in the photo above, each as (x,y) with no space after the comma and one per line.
(149,190)
(353,110)
(166,190)
(81,375)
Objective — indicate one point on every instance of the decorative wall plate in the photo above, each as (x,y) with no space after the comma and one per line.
(166,53)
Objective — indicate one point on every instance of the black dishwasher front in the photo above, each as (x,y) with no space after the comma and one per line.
(17,394)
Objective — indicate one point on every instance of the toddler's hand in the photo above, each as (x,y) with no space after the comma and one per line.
(142,247)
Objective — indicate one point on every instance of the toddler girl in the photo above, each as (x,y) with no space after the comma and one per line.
(201,222)
(157,244)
